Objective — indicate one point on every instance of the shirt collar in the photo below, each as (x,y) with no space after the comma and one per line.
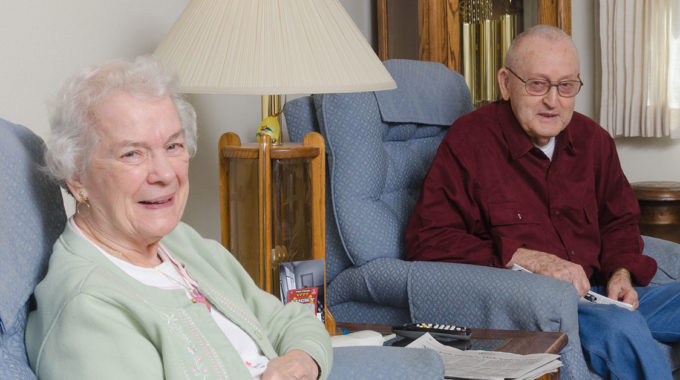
(519,143)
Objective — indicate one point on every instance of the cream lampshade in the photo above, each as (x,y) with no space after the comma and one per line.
(271,47)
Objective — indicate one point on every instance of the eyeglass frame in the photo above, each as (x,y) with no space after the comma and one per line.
(550,84)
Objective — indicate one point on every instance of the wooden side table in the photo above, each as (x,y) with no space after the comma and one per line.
(660,209)
(272,205)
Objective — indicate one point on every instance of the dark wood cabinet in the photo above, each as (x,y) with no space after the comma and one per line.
(659,209)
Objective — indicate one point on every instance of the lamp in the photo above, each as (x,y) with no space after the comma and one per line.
(270,48)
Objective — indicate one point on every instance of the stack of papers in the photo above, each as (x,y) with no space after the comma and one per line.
(488,365)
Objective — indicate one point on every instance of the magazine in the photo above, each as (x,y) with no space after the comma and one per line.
(303,282)
(591,296)
(306,296)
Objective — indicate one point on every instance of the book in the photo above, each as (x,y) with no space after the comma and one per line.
(303,282)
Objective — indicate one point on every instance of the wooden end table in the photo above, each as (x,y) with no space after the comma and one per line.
(511,341)
(659,209)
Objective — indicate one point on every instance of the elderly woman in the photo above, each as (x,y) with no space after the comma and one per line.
(132,292)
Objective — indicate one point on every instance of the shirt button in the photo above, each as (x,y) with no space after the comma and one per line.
(572,253)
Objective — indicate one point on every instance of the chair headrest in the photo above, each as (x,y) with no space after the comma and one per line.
(427,93)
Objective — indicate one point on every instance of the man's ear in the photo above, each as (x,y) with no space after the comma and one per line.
(503,79)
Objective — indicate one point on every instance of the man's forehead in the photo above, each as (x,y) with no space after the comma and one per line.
(547,44)
(539,53)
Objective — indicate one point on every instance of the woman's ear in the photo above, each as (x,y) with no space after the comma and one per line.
(76,188)
(503,79)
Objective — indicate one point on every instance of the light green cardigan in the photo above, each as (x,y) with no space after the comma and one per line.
(95,321)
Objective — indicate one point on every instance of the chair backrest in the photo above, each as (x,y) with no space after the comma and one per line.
(31,218)
(380,146)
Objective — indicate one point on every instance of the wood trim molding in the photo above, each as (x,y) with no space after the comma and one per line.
(432,31)
(556,13)
(453,21)
(383,52)
(227,140)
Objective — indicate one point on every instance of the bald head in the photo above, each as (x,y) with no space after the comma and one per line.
(546,55)
(517,51)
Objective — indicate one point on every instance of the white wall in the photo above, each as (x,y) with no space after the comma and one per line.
(42,42)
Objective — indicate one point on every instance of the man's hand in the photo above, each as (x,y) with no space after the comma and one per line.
(550,265)
(620,288)
(296,364)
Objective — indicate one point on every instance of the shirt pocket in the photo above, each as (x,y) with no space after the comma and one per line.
(509,213)
(582,212)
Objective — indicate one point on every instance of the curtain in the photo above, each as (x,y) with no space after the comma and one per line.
(640,67)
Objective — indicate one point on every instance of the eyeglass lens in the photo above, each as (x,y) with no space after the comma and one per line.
(541,87)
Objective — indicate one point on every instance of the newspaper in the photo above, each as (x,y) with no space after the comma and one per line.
(488,365)
(590,297)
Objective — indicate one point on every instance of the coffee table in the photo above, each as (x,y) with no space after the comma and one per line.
(511,341)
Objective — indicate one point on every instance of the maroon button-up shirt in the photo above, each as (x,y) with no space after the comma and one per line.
(490,191)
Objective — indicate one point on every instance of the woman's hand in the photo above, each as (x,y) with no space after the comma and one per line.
(296,364)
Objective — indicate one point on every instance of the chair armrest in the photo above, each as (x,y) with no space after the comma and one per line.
(385,363)
(485,297)
(382,281)
(667,256)
(13,360)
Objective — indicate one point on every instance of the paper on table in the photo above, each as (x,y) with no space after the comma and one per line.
(490,365)
(540,371)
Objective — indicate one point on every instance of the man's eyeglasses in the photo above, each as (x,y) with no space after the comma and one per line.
(538,87)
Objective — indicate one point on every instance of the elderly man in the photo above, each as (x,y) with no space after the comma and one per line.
(528,181)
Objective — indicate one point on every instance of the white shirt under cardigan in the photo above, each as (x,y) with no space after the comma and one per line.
(250,354)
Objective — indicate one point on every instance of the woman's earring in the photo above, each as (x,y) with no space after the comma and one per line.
(83,207)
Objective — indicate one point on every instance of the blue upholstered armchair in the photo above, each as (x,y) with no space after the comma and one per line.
(32,217)
(380,146)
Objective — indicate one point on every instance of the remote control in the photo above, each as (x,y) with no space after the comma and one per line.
(443,332)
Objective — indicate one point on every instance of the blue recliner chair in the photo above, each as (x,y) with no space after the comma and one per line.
(32,217)
(380,146)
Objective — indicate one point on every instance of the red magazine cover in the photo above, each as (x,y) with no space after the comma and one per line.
(305,296)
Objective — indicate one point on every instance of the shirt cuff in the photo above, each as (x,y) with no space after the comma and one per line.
(507,248)
(642,268)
